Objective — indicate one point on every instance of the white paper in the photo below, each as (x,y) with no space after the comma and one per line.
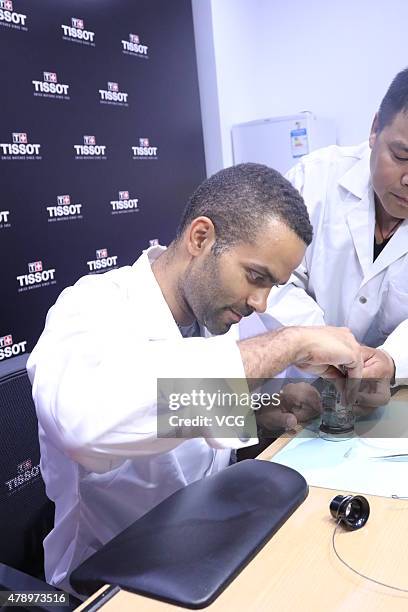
(353,464)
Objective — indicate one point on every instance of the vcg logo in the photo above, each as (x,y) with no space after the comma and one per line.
(144,150)
(8,348)
(20,148)
(113,96)
(134,47)
(50,88)
(90,150)
(4,219)
(36,277)
(9,18)
(124,204)
(76,32)
(64,210)
(26,472)
(102,261)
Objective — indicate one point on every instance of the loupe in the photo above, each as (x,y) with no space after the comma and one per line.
(351,510)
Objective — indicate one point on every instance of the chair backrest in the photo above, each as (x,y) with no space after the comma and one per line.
(26,514)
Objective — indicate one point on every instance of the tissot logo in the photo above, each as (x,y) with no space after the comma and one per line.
(124,204)
(134,47)
(50,88)
(144,150)
(9,18)
(19,137)
(102,261)
(25,473)
(20,148)
(90,150)
(64,210)
(6,340)
(76,32)
(8,348)
(4,219)
(113,96)
(36,277)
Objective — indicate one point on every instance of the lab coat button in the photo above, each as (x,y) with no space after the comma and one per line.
(362,299)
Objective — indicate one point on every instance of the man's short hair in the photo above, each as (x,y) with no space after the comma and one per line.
(240,200)
(395,100)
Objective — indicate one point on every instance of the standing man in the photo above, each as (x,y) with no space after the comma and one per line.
(355,272)
(110,337)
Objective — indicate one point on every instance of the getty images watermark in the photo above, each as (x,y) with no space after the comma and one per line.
(220,408)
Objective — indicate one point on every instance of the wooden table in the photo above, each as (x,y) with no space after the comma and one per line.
(297,569)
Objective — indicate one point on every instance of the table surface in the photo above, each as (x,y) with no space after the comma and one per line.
(297,569)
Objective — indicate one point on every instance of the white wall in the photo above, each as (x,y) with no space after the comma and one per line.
(207,77)
(278,57)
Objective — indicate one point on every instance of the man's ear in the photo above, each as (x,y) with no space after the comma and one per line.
(374,131)
(200,236)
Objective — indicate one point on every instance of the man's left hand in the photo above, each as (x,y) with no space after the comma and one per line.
(300,402)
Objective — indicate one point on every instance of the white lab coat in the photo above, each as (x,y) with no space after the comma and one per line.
(94,371)
(338,283)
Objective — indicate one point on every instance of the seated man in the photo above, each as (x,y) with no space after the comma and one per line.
(355,272)
(109,337)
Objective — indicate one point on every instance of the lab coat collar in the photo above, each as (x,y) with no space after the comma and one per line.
(396,248)
(358,178)
(146,289)
(360,219)
(359,206)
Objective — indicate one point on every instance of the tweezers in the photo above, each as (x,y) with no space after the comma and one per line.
(389,456)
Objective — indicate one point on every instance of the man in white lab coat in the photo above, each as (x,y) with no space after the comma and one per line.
(355,272)
(109,337)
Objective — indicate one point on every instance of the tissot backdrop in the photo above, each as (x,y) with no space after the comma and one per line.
(146,130)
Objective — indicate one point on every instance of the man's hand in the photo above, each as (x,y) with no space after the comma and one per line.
(378,372)
(332,352)
(377,364)
(300,402)
(321,347)
(315,349)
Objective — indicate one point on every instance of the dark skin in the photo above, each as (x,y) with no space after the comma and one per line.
(219,290)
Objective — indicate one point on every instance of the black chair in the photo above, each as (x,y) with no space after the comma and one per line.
(26,514)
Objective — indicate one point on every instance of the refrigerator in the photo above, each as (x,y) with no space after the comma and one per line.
(279,142)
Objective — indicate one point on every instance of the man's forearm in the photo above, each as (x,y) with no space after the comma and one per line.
(266,355)
(310,348)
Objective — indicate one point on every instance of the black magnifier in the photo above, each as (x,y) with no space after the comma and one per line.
(352,511)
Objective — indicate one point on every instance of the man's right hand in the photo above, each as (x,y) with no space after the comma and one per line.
(332,352)
(318,348)
(326,351)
